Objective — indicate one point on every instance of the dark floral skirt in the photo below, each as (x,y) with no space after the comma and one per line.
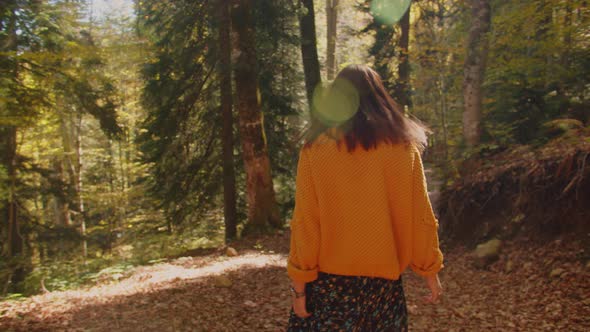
(347,303)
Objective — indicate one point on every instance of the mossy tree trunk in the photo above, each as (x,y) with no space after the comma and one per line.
(263,212)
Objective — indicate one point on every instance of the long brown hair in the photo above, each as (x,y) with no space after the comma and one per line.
(375,117)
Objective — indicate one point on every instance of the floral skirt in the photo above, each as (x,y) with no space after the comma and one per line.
(349,303)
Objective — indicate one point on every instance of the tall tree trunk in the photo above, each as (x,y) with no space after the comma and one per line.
(332,25)
(402,86)
(71,138)
(78,183)
(229,179)
(567,35)
(309,50)
(443,114)
(61,206)
(122,170)
(262,208)
(474,70)
(115,202)
(123,166)
(125,159)
(439,38)
(543,35)
(15,241)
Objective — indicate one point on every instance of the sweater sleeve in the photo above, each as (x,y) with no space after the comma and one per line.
(427,259)
(305,229)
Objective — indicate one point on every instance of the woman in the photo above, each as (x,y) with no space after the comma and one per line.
(362,213)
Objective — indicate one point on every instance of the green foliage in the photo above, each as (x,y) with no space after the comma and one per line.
(180,140)
(56,95)
(70,270)
(62,275)
(282,90)
(537,70)
(54,70)
(383,50)
(137,103)
(436,58)
(154,247)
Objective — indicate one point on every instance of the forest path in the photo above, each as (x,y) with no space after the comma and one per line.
(250,293)
(532,287)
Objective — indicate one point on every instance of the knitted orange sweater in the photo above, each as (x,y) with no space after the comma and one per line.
(362,213)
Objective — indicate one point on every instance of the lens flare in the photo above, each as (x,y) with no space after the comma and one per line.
(389,11)
(336,103)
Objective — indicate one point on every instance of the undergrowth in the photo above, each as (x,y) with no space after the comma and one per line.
(73,271)
(541,189)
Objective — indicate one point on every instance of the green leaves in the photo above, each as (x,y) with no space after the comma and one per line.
(180,137)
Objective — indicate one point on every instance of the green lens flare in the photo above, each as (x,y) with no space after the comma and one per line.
(389,11)
(336,103)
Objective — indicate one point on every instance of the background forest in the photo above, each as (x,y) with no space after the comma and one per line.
(133,132)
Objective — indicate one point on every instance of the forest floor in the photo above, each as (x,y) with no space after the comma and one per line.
(542,287)
(533,286)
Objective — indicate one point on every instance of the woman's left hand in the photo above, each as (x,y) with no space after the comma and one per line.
(299,307)
(299,302)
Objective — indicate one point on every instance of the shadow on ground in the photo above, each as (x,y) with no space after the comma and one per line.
(257,300)
(525,297)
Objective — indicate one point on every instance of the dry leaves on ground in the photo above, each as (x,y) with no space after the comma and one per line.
(249,292)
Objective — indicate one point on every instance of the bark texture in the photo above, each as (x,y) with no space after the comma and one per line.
(402,86)
(309,51)
(474,70)
(14,247)
(263,211)
(229,182)
(332,35)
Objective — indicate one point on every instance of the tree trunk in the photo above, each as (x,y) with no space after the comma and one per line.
(78,183)
(124,169)
(332,25)
(309,51)
(402,86)
(229,179)
(262,208)
(443,114)
(543,35)
(125,159)
(61,206)
(567,35)
(474,70)
(71,138)
(15,241)
(116,202)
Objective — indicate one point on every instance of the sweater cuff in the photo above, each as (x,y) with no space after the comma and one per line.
(298,274)
(430,270)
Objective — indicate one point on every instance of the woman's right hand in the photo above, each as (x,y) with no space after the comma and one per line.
(435,287)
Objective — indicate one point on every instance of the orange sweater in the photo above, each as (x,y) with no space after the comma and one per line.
(364,213)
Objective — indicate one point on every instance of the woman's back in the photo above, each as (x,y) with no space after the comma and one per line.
(362,213)
(355,211)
